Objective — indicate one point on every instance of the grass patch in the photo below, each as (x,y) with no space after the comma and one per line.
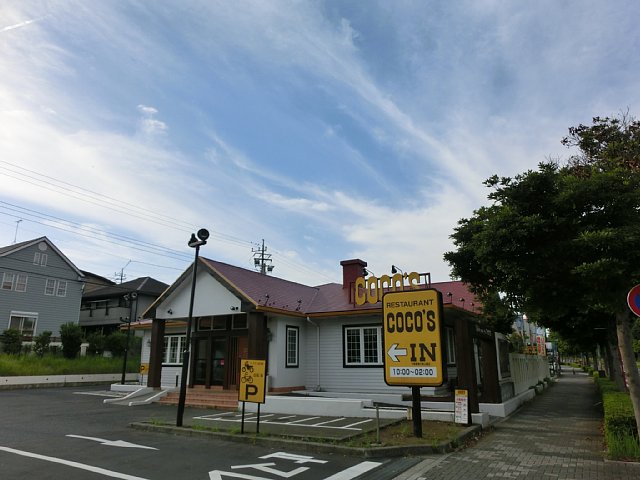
(29,365)
(623,447)
(401,434)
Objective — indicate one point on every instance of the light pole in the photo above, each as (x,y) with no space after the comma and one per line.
(196,243)
(130,298)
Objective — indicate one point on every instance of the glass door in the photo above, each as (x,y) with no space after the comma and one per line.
(200,361)
(218,352)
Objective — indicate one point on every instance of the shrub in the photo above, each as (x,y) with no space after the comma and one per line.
(97,343)
(619,419)
(71,337)
(116,343)
(12,341)
(42,341)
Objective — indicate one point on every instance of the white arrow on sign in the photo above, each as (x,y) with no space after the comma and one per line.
(113,443)
(394,351)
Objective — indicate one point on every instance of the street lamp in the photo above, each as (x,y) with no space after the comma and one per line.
(196,243)
(129,299)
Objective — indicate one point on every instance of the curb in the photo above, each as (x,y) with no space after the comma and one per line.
(315,447)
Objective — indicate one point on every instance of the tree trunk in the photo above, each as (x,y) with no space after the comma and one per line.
(613,356)
(631,374)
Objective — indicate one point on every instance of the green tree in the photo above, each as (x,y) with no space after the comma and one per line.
(560,243)
(71,337)
(41,343)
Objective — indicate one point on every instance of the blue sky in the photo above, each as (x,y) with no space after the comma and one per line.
(332,129)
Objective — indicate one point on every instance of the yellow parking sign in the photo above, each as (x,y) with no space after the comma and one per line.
(253,379)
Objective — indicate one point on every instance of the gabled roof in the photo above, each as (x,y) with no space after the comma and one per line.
(269,293)
(8,250)
(143,285)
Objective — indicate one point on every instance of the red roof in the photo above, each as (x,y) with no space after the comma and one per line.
(273,293)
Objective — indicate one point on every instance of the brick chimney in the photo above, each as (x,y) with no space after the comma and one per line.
(351,269)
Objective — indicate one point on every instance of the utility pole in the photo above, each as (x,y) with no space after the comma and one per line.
(120,275)
(15,237)
(262,259)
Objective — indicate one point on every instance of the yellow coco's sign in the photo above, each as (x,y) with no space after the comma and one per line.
(371,290)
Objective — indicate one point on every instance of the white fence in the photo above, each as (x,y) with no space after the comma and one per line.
(527,371)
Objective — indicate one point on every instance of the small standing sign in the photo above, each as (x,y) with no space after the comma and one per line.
(462,407)
(253,379)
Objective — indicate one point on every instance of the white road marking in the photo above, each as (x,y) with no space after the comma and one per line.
(113,443)
(328,421)
(354,471)
(102,394)
(207,417)
(81,466)
(302,420)
(284,418)
(358,423)
(293,457)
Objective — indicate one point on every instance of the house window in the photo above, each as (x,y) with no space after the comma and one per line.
(50,287)
(25,323)
(21,283)
(293,334)
(55,287)
(40,259)
(450,338)
(7,281)
(239,322)
(362,345)
(61,291)
(173,346)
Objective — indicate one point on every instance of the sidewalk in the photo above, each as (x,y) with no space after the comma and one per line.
(557,435)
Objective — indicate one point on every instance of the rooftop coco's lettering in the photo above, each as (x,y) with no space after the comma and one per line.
(372,289)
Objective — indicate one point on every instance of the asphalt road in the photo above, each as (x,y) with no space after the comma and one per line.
(68,433)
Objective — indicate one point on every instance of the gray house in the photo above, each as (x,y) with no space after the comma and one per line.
(106,307)
(40,288)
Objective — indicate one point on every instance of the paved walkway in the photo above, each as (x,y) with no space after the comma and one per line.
(557,435)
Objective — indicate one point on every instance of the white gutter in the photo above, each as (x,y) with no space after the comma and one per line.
(317,352)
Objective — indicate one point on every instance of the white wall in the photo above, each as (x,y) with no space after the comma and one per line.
(279,374)
(527,371)
(211,298)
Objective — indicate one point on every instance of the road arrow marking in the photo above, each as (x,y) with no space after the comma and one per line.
(113,443)
(394,351)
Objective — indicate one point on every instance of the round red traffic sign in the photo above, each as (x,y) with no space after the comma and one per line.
(633,300)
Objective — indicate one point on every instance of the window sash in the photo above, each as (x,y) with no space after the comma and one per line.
(292,347)
(61,291)
(173,346)
(21,283)
(7,281)
(25,324)
(50,287)
(363,345)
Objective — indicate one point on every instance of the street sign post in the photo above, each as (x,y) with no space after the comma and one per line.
(253,379)
(413,344)
(633,300)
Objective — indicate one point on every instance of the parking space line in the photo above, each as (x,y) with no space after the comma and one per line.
(206,417)
(285,418)
(358,423)
(101,394)
(302,420)
(329,421)
(81,466)
(273,422)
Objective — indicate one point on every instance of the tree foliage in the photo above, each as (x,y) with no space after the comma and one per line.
(71,338)
(561,242)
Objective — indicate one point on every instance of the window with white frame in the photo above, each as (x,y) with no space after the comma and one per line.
(293,335)
(50,287)
(55,287)
(362,345)
(173,346)
(21,282)
(40,259)
(24,322)
(7,281)
(61,290)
